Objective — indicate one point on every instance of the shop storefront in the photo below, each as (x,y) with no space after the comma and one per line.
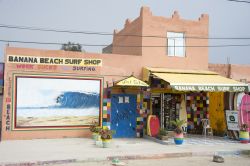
(57,94)
(185,94)
(50,94)
(127,115)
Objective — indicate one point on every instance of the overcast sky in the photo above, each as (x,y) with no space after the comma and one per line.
(227,19)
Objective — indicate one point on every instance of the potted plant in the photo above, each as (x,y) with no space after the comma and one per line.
(163,134)
(106,136)
(244,134)
(178,138)
(95,130)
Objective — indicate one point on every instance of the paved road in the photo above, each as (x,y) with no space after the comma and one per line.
(71,150)
(187,161)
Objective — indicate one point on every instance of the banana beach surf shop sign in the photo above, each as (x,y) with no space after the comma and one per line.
(19,59)
(202,82)
(210,88)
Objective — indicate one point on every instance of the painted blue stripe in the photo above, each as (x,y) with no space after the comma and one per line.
(105,124)
(244,139)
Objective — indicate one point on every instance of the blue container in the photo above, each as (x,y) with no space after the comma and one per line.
(178,141)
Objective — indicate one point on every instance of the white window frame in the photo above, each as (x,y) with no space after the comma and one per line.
(176,44)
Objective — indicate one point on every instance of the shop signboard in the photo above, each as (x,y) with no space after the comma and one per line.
(211,88)
(132,81)
(232,120)
(20,59)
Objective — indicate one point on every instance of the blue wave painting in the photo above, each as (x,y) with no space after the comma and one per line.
(48,102)
(78,100)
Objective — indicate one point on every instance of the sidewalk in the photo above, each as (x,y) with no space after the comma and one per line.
(46,151)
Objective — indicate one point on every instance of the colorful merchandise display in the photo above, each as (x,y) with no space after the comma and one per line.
(197,106)
(143,111)
(106,112)
(172,103)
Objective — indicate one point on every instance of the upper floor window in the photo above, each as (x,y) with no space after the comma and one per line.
(176,44)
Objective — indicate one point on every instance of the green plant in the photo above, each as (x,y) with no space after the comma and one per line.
(244,127)
(94,127)
(162,132)
(106,133)
(178,125)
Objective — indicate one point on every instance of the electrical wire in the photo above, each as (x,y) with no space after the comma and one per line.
(104,45)
(111,34)
(239,1)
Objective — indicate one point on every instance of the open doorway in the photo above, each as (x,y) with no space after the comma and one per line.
(166,106)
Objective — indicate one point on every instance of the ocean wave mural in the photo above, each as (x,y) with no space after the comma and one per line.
(78,100)
(57,102)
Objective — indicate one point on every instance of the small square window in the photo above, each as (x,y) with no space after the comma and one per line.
(126,99)
(120,99)
(176,44)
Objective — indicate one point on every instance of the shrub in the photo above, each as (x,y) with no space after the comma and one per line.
(178,125)
(106,134)
(163,132)
(94,127)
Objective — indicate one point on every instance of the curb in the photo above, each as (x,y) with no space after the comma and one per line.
(177,155)
(154,156)
(40,163)
(132,157)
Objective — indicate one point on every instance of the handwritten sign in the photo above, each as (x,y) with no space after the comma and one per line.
(131,81)
(7,124)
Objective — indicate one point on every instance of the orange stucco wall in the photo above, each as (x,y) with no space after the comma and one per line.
(239,72)
(113,68)
(221,69)
(149,25)
(234,71)
(122,38)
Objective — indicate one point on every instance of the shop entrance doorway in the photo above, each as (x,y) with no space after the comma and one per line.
(156,105)
(171,109)
(123,115)
(166,107)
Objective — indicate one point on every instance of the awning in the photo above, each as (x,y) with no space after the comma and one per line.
(131,81)
(191,80)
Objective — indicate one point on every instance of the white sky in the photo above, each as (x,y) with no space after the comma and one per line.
(227,19)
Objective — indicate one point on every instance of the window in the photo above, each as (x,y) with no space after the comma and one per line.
(176,44)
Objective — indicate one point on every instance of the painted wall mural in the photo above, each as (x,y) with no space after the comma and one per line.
(57,101)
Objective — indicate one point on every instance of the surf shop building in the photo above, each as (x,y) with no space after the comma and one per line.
(57,94)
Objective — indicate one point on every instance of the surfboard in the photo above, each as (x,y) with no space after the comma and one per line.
(153,125)
(238,97)
(245,110)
